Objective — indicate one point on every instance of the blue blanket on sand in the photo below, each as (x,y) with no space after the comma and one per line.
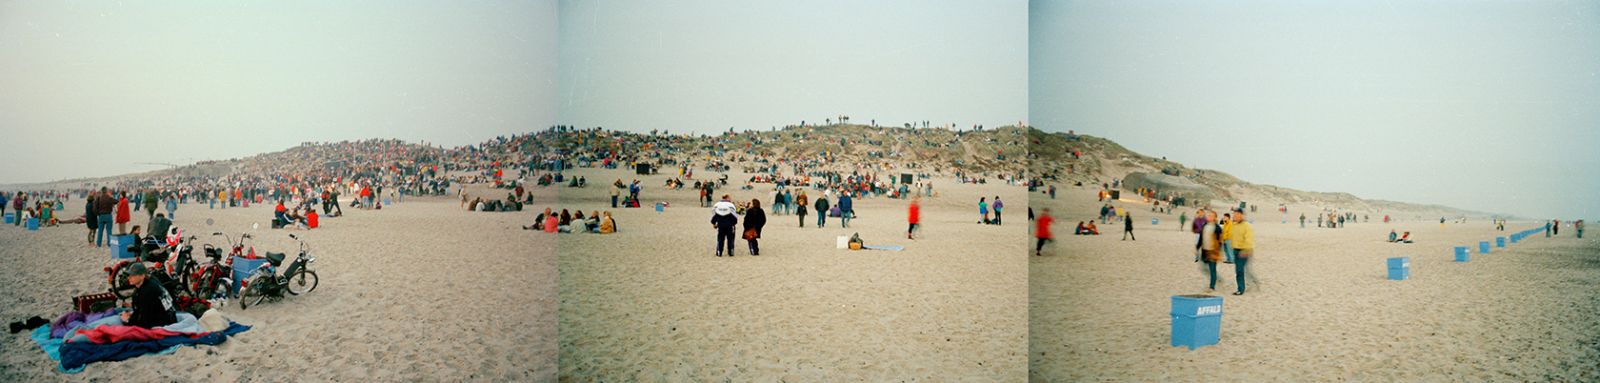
(74,356)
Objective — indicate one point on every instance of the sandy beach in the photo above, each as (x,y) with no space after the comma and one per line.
(651,303)
(1324,310)
(421,290)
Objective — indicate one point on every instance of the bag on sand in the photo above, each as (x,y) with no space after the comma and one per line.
(749,234)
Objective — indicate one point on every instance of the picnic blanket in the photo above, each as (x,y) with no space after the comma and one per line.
(113,342)
(890,248)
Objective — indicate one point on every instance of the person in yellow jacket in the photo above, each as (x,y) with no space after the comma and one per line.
(1243,239)
(1227,241)
(608,225)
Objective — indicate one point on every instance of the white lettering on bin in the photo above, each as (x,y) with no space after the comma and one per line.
(1203,310)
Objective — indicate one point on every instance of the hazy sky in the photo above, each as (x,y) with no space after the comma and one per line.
(1485,105)
(91,88)
(707,65)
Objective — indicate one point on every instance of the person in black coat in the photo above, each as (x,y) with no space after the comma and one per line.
(724,221)
(1127,227)
(754,219)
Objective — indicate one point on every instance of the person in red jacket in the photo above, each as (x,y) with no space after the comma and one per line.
(1043,232)
(914,216)
(123,214)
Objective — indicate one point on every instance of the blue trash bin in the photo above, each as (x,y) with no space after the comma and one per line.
(243,268)
(119,247)
(1461,254)
(11,218)
(1155,222)
(1196,320)
(1500,242)
(1399,268)
(32,224)
(1483,247)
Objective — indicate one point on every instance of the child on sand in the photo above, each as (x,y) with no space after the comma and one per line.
(914,216)
(1042,232)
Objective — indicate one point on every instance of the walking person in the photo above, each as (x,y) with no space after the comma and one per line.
(1127,226)
(822,211)
(1243,238)
(1210,247)
(89,217)
(1182,218)
(846,209)
(754,220)
(913,216)
(1042,231)
(723,220)
(172,206)
(800,207)
(151,201)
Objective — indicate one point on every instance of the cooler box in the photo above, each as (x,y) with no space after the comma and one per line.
(1196,320)
(119,246)
(243,268)
(1399,268)
(841,242)
(1500,242)
(1155,221)
(32,224)
(1483,247)
(1461,254)
(11,218)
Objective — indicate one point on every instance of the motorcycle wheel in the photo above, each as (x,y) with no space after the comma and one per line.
(252,295)
(303,281)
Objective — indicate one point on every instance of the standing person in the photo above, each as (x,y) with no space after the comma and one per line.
(777,203)
(914,216)
(151,201)
(847,209)
(724,222)
(2,203)
(104,206)
(1227,237)
(983,210)
(89,217)
(1302,220)
(1042,231)
(1127,226)
(800,207)
(618,193)
(1546,228)
(1243,238)
(822,211)
(172,206)
(754,220)
(17,204)
(1557,227)
(997,206)
(1182,218)
(123,214)
(1579,227)
(1210,246)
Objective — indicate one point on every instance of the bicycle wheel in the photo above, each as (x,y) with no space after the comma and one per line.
(252,295)
(303,281)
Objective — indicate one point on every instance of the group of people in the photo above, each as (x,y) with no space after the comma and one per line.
(983,210)
(1227,240)
(566,221)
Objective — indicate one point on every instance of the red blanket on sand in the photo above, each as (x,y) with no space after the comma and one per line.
(113,334)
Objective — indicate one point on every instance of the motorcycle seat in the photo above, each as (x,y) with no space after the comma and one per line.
(276,259)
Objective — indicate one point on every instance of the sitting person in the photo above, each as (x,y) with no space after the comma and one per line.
(280,215)
(1080,230)
(1392,236)
(152,305)
(608,225)
(1406,238)
(1090,229)
(592,224)
(538,221)
(159,226)
(565,224)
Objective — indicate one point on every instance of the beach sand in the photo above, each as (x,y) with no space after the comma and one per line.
(421,290)
(651,303)
(1324,310)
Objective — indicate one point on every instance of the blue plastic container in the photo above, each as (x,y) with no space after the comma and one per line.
(1461,254)
(243,268)
(32,224)
(1196,320)
(119,247)
(1500,242)
(1399,268)
(11,218)
(1483,247)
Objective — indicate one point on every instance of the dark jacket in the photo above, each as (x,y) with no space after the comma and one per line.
(822,206)
(152,306)
(725,222)
(754,219)
(104,205)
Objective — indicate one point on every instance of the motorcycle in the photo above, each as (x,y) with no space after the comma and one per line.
(158,254)
(266,282)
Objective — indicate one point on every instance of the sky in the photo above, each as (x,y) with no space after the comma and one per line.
(705,66)
(1485,105)
(92,89)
